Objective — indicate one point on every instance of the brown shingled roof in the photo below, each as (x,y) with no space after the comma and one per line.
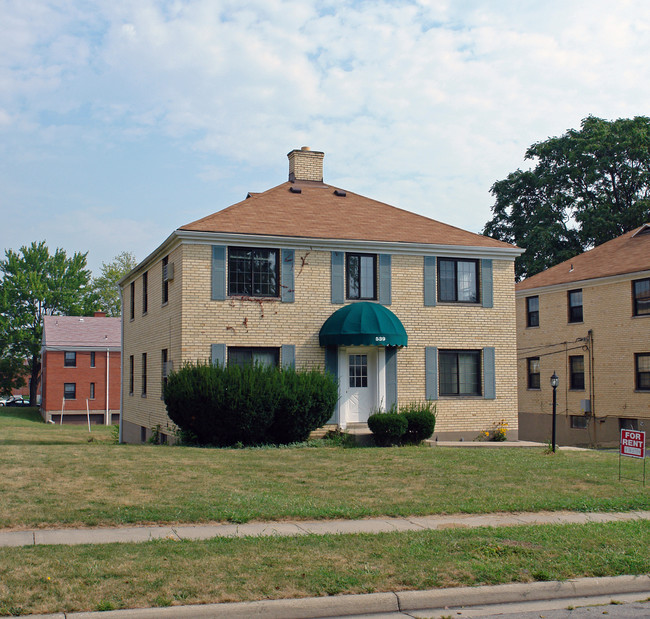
(82,332)
(628,253)
(316,212)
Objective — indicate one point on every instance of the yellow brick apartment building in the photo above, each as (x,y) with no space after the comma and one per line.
(587,320)
(294,276)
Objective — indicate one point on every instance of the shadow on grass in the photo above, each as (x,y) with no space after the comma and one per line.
(28,413)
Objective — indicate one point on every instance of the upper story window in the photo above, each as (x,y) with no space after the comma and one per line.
(92,358)
(253,272)
(577,372)
(575,305)
(70,359)
(457,280)
(641,296)
(532,311)
(361,276)
(642,371)
(145,292)
(533,372)
(165,279)
(144,374)
(70,391)
(132,310)
(460,372)
(131,372)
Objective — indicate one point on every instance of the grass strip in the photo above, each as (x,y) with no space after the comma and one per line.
(45,579)
(64,476)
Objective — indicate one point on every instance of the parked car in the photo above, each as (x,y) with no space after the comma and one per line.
(17,400)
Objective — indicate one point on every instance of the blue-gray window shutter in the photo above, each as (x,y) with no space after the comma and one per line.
(218,354)
(429,281)
(489,377)
(384,279)
(288,356)
(391,377)
(218,272)
(338,281)
(431,372)
(286,277)
(332,367)
(486,282)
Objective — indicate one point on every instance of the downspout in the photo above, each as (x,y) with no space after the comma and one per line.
(108,412)
(121,363)
(592,386)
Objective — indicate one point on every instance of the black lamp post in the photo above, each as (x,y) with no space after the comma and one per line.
(555,381)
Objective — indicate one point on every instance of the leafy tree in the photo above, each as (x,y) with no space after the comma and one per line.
(588,186)
(105,286)
(35,284)
(12,368)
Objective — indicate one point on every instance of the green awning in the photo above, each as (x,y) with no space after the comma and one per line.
(363,324)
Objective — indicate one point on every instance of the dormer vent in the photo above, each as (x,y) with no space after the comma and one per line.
(340,192)
(295,189)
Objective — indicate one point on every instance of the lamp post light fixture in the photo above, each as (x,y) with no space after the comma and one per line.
(555,381)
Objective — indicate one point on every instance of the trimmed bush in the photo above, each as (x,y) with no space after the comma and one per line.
(388,428)
(250,405)
(421,420)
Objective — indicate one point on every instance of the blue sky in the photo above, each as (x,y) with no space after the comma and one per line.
(121,121)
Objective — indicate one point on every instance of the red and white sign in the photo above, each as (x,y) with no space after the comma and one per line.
(633,443)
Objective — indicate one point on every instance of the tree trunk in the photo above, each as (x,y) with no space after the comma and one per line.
(34,379)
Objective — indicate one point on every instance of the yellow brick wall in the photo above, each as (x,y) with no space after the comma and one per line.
(199,322)
(617,335)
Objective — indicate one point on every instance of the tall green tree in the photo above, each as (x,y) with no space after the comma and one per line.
(105,286)
(12,367)
(36,283)
(587,187)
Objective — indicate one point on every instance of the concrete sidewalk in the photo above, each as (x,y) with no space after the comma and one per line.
(321,527)
(398,604)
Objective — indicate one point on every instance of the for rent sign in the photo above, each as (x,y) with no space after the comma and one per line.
(633,443)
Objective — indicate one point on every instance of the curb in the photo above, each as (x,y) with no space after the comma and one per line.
(393,602)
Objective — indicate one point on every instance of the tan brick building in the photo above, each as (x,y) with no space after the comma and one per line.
(259,280)
(587,320)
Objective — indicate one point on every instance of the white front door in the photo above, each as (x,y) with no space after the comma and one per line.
(359,380)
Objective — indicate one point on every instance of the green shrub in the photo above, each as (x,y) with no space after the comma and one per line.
(421,420)
(249,405)
(388,427)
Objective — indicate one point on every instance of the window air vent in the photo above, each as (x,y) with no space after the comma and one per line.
(295,189)
(340,192)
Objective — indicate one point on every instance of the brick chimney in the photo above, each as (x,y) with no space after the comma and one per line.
(306,165)
(100,315)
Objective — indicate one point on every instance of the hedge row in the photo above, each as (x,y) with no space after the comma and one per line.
(413,424)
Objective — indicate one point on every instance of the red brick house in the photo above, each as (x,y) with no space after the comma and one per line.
(80,372)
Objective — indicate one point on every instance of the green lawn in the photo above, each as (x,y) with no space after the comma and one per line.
(65,476)
(64,579)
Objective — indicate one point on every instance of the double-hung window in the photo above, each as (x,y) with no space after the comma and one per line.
(144,374)
(575,305)
(577,372)
(641,296)
(165,280)
(642,371)
(533,373)
(131,374)
(70,359)
(145,292)
(460,372)
(70,391)
(532,311)
(132,302)
(253,272)
(241,356)
(457,280)
(361,276)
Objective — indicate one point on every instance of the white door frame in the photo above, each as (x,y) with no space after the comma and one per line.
(377,382)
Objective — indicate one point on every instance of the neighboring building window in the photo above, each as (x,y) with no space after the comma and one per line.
(625,423)
(92,358)
(70,391)
(165,281)
(145,292)
(144,374)
(253,272)
(533,373)
(457,280)
(132,312)
(532,311)
(92,391)
(239,355)
(70,359)
(163,364)
(361,272)
(575,305)
(460,372)
(577,372)
(642,371)
(578,422)
(641,296)
(358,370)
(131,372)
